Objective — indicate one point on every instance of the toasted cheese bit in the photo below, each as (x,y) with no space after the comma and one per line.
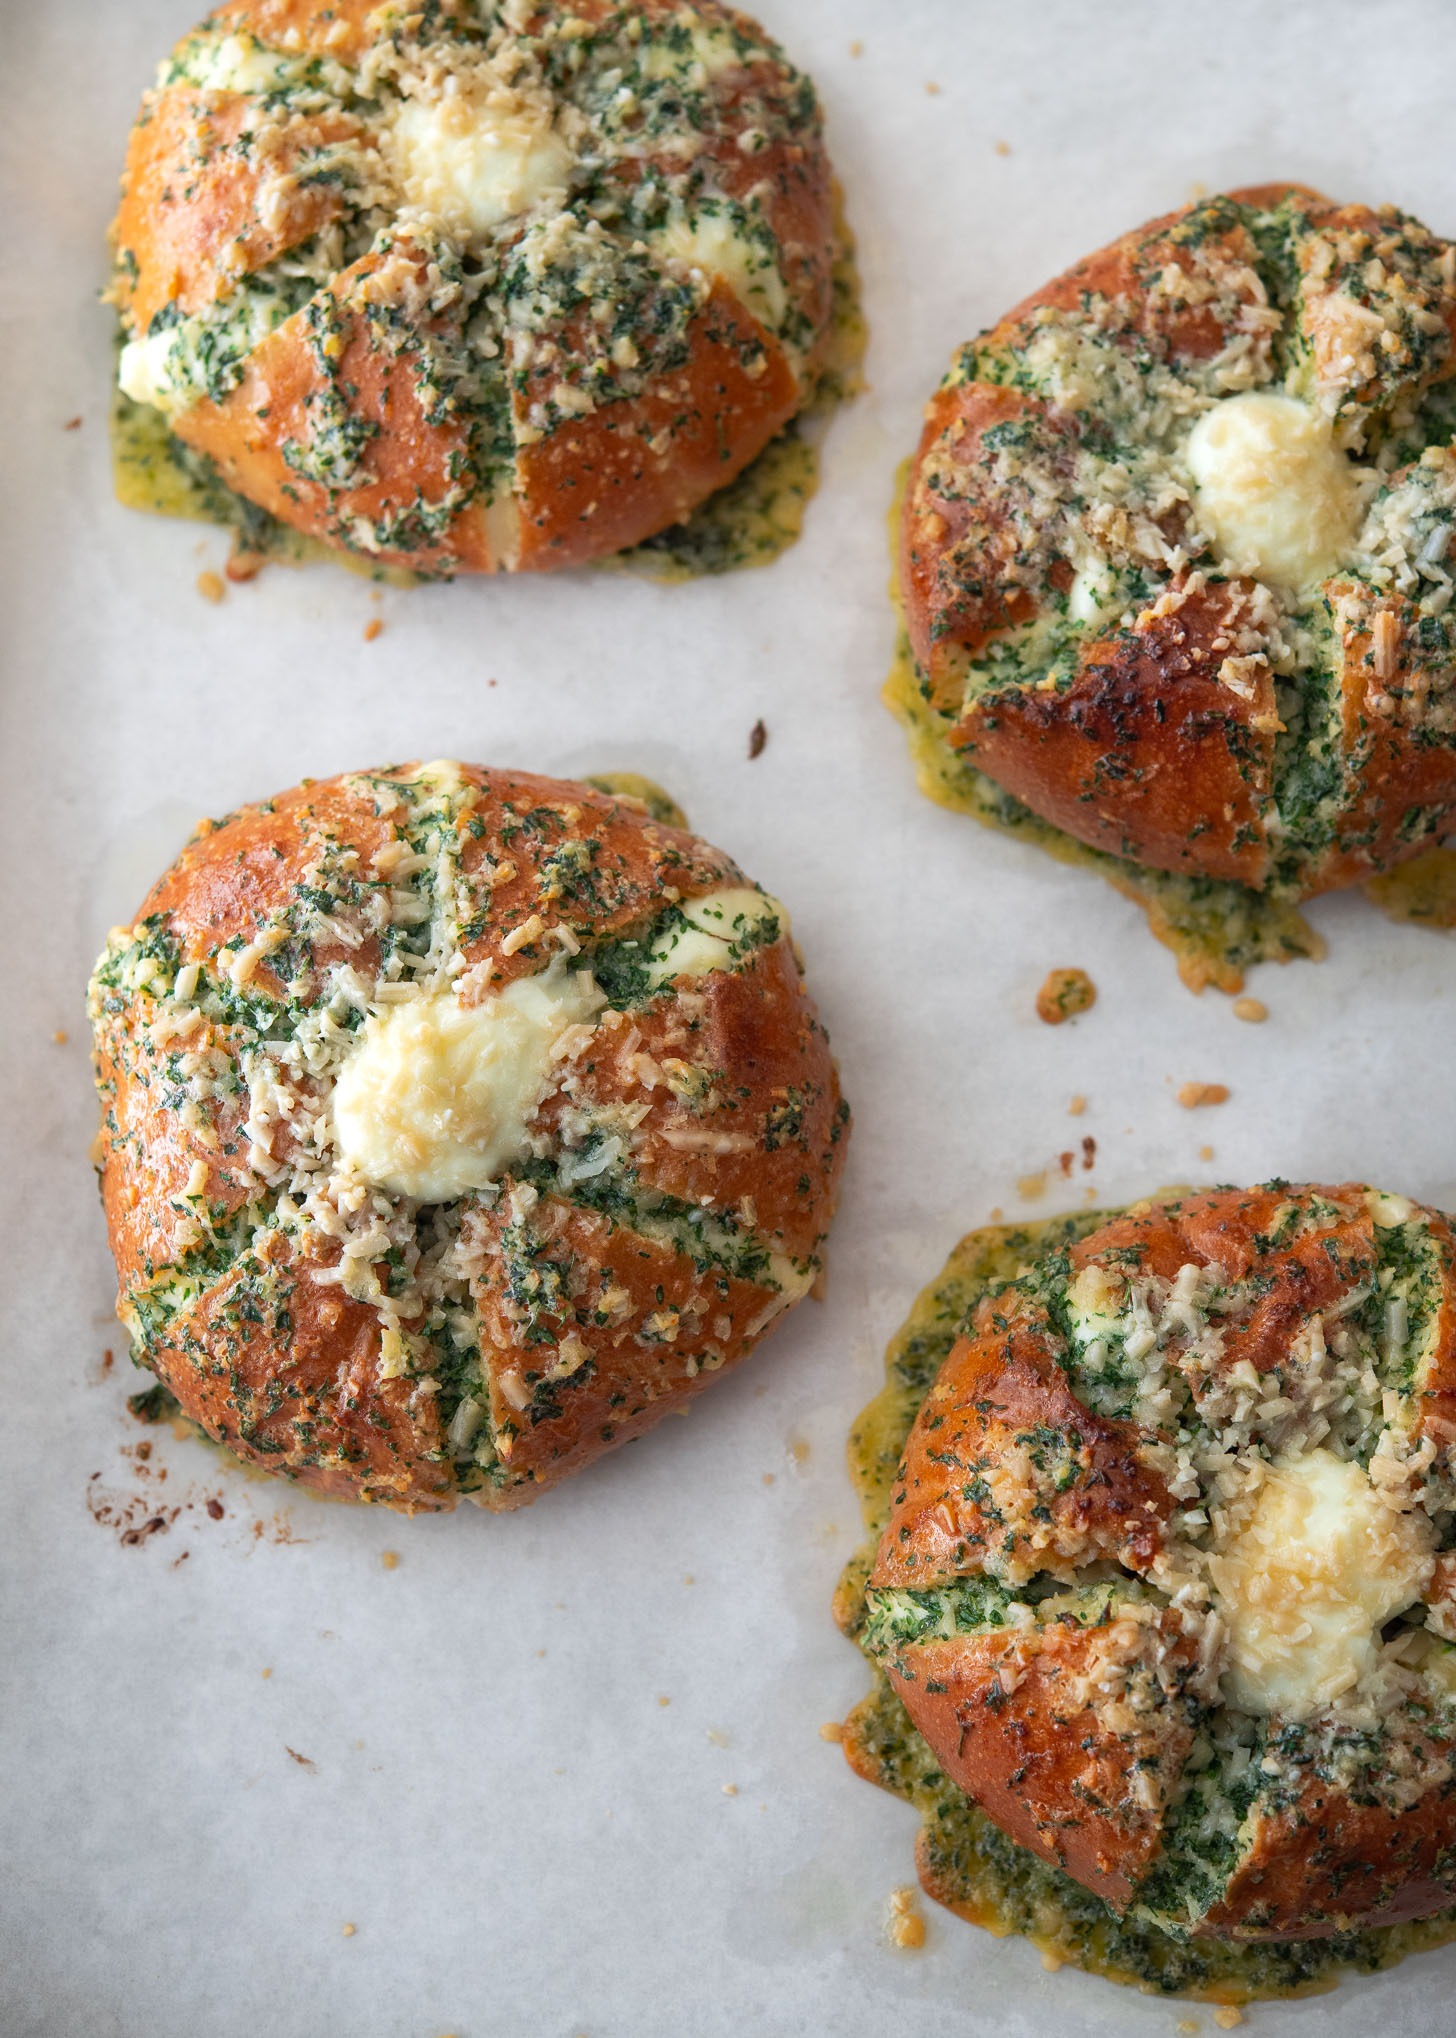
(389,1559)
(373,628)
(211,587)
(1254,1010)
(1064,994)
(905,1926)
(1194,1096)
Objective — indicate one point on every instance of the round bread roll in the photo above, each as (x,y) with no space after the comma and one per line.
(1167,1580)
(478,286)
(1174,549)
(457,1125)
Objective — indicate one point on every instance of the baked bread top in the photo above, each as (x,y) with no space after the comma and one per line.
(1166,1579)
(477,286)
(1173,551)
(456,1125)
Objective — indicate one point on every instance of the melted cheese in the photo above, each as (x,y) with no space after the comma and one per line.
(711,933)
(1276,494)
(1307,1582)
(468,161)
(436,1098)
(713,243)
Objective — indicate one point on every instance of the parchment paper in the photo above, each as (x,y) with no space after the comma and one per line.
(507,1760)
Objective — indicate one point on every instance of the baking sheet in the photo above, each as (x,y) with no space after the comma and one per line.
(507,1760)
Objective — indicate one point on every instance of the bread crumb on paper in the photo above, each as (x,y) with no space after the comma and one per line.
(906,1924)
(373,628)
(1228,2017)
(303,1761)
(1254,1010)
(1194,1096)
(389,1559)
(757,738)
(1029,1187)
(933,89)
(856,49)
(664,1701)
(60,1036)
(350,1930)
(1003,148)
(1205,1153)
(717,1737)
(1076,1106)
(211,586)
(71,425)
(1065,993)
(730,1790)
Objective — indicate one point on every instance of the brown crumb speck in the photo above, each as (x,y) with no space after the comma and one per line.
(1003,148)
(60,1036)
(768,1478)
(267,1673)
(389,1559)
(1076,1107)
(663,1700)
(906,1924)
(1089,1153)
(832,1730)
(730,1790)
(1252,1009)
(997,1213)
(302,1760)
(373,628)
(1064,994)
(71,425)
(215,1509)
(108,1359)
(856,48)
(757,738)
(349,1931)
(1194,1096)
(210,586)
(1205,1153)
(933,89)
(688,1578)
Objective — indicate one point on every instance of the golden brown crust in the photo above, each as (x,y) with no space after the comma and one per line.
(248,1254)
(654,1330)
(1153,695)
(1015,1722)
(953,1513)
(1146,721)
(1328,1864)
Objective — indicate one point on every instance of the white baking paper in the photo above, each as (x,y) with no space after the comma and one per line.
(554,1786)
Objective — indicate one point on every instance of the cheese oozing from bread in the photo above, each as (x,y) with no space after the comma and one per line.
(1276,494)
(437,1097)
(1308,1580)
(466,161)
(713,932)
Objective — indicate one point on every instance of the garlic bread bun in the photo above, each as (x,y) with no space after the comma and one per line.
(1165,1576)
(1174,547)
(456,1126)
(480,286)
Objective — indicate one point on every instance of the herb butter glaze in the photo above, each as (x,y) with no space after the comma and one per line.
(476,286)
(965,1860)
